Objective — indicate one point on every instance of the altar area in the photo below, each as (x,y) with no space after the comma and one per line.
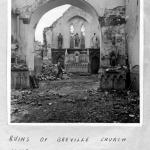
(77,60)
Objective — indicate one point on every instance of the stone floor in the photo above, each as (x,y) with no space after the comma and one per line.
(74,100)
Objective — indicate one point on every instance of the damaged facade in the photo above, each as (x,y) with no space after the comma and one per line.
(86,70)
(76,48)
(114,58)
(133,40)
(115,23)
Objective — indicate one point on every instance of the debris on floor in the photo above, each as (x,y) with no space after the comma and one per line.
(75,100)
(49,72)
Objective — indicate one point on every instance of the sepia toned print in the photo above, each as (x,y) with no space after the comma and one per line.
(75,62)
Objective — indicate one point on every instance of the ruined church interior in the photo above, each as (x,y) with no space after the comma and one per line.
(92,44)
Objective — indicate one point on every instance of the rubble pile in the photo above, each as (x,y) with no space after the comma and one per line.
(96,106)
(74,101)
(49,72)
(17,95)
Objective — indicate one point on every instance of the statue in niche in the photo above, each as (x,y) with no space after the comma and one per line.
(95,42)
(77,40)
(82,41)
(82,37)
(60,41)
(71,41)
(71,36)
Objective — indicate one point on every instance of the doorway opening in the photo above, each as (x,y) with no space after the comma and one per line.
(95,65)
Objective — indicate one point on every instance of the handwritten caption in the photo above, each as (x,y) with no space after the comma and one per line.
(19,139)
(13,138)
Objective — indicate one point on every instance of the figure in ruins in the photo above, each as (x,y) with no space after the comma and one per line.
(77,40)
(60,70)
(60,41)
(95,43)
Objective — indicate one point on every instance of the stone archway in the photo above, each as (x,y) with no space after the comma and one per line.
(39,12)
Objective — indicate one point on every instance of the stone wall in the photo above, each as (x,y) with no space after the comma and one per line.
(113,36)
(32,10)
(13,26)
(31,5)
(133,40)
(133,29)
(76,17)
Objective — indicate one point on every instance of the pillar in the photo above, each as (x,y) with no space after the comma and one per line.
(18,28)
(101,45)
(30,48)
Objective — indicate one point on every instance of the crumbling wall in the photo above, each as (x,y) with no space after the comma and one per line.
(13,27)
(99,5)
(132,30)
(76,17)
(113,36)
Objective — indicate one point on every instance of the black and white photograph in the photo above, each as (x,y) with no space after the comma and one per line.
(75,61)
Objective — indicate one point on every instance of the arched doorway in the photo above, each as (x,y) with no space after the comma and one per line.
(95,65)
(40,11)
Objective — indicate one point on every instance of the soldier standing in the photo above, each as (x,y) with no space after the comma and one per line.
(60,70)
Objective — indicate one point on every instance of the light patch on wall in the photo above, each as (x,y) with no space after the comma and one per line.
(48,19)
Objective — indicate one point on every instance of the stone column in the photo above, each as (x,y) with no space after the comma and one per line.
(27,38)
(18,28)
(30,48)
(19,40)
(101,44)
